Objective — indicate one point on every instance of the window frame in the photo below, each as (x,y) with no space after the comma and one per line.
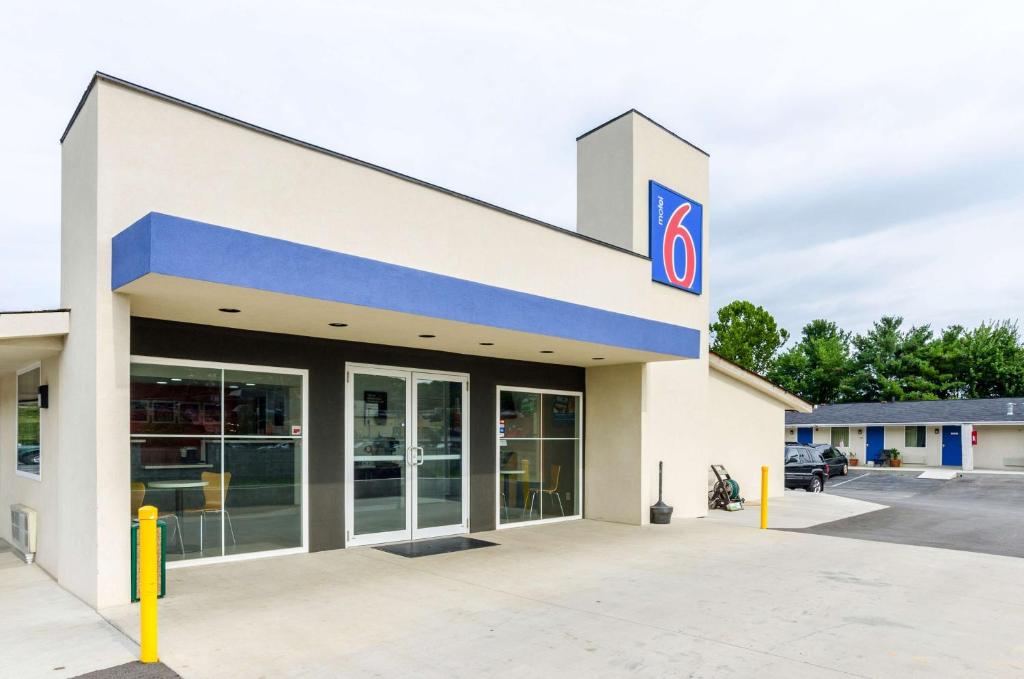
(37,476)
(245,367)
(497,455)
(923,429)
(832,438)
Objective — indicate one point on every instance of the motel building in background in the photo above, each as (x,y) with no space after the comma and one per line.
(285,349)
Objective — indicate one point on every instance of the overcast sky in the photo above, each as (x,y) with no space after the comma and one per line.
(866,159)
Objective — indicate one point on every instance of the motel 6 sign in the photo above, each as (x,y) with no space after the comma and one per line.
(676,234)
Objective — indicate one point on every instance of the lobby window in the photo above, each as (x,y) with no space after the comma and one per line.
(29,448)
(841,437)
(915,437)
(539,455)
(219,451)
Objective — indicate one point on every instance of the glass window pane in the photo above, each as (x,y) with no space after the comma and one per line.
(841,437)
(439,435)
(539,475)
(262,404)
(262,491)
(915,437)
(29,450)
(247,499)
(175,400)
(519,473)
(560,483)
(520,414)
(379,458)
(560,416)
(171,473)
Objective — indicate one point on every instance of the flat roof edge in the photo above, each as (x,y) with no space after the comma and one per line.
(28,324)
(99,75)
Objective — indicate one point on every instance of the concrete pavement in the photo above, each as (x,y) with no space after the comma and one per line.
(798,509)
(697,598)
(46,632)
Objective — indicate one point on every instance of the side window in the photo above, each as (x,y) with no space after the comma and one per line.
(29,450)
(915,437)
(840,437)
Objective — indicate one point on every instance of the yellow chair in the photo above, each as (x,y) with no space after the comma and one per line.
(139,499)
(554,476)
(212,498)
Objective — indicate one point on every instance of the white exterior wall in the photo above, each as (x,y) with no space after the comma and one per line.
(94,474)
(999,447)
(39,494)
(613,420)
(158,156)
(744,425)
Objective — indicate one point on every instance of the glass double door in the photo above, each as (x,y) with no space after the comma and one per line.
(406,455)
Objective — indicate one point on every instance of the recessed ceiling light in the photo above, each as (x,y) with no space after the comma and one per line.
(233,386)
(250,384)
(546,351)
(229,310)
(487,344)
(428,336)
(161,382)
(338,325)
(175,379)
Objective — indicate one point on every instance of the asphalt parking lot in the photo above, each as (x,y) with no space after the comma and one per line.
(975,513)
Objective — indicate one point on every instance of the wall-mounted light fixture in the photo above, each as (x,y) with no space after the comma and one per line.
(44,395)
(860,432)
(936,430)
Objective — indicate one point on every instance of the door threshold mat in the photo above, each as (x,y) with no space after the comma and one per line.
(432,547)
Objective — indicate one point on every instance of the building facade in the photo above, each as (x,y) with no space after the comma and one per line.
(967,434)
(286,349)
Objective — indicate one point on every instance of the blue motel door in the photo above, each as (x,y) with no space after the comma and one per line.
(804,435)
(875,443)
(952,447)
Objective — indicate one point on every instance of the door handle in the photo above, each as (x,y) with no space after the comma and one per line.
(410,458)
(419,455)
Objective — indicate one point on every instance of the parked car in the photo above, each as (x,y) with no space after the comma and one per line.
(836,460)
(805,468)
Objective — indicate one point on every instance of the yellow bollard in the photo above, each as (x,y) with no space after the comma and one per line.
(764,496)
(147,584)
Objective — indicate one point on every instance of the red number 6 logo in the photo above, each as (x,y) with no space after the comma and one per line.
(676,231)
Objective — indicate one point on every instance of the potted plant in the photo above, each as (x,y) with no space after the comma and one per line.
(853,459)
(894,458)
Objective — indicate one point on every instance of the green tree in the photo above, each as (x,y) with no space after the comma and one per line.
(747,335)
(894,365)
(818,367)
(993,361)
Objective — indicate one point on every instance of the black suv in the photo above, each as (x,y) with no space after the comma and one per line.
(805,468)
(836,460)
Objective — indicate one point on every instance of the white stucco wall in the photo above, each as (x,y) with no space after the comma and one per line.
(745,424)
(613,422)
(158,156)
(999,447)
(38,493)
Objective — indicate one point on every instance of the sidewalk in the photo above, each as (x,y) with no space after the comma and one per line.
(47,632)
(796,509)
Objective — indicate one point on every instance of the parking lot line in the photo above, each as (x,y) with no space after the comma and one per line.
(836,485)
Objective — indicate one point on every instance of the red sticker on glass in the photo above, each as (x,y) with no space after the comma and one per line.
(296,430)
